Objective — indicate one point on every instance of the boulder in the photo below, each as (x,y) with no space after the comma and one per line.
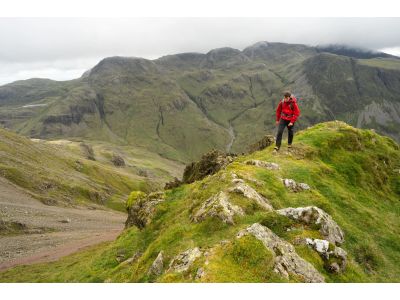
(264,164)
(184,260)
(247,191)
(117,160)
(294,186)
(287,261)
(335,258)
(314,215)
(157,266)
(218,206)
(210,163)
(142,211)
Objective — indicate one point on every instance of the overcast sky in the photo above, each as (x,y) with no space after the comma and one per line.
(64,48)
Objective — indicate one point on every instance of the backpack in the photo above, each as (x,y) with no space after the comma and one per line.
(290,103)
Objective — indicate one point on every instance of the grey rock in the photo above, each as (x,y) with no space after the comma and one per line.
(287,261)
(263,164)
(336,265)
(321,246)
(218,206)
(184,260)
(247,191)
(294,186)
(200,273)
(157,266)
(314,215)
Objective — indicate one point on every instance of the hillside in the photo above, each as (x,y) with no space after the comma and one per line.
(181,106)
(68,173)
(334,219)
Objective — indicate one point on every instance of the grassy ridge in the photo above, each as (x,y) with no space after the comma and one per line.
(353,176)
(60,173)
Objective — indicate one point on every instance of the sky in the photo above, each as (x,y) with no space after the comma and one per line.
(64,48)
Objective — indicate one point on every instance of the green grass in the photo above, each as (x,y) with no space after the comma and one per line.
(59,173)
(350,172)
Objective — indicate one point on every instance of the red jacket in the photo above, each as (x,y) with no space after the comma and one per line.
(285,112)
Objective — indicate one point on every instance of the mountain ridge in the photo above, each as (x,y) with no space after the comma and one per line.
(183,105)
(324,211)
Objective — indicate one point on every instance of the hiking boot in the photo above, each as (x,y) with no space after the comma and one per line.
(289,147)
(276,149)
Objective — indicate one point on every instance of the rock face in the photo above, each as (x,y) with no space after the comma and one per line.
(287,261)
(210,163)
(263,164)
(262,144)
(142,211)
(335,260)
(157,266)
(314,215)
(218,206)
(184,260)
(247,191)
(294,186)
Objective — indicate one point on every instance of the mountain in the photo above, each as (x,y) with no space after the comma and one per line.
(180,106)
(66,173)
(327,211)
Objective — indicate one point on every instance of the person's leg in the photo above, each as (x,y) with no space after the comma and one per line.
(281,126)
(290,134)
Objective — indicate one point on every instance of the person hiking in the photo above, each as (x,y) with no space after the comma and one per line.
(287,113)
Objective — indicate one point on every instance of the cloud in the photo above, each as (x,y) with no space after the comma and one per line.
(61,48)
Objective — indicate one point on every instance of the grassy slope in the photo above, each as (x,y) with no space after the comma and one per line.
(58,172)
(353,177)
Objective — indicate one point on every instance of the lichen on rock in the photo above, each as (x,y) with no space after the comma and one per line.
(210,163)
(247,191)
(184,260)
(335,258)
(141,211)
(157,267)
(264,164)
(287,261)
(218,206)
(294,186)
(314,215)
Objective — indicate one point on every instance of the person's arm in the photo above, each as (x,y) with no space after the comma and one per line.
(296,112)
(278,111)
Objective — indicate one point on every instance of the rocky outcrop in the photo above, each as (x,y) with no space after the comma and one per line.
(210,163)
(142,211)
(172,184)
(184,260)
(218,206)
(287,261)
(157,266)
(314,215)
(263,164)
(117,160)
(247,191)
(262,144)
(335,258)
(294,186)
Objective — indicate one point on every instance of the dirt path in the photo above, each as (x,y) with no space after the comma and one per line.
(46,233)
